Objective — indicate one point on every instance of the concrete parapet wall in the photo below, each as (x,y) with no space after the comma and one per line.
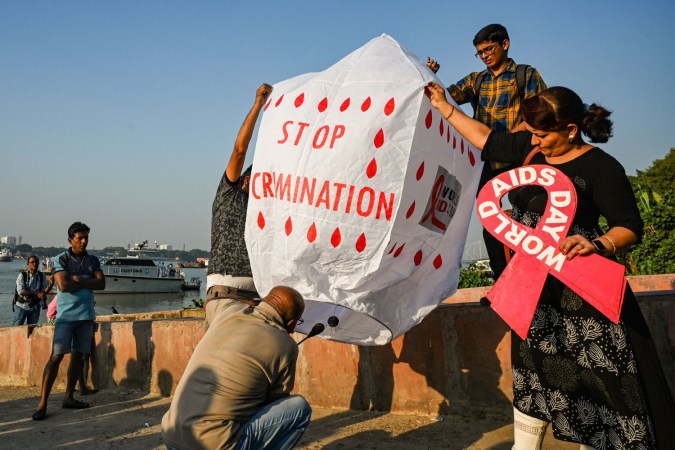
(456,360)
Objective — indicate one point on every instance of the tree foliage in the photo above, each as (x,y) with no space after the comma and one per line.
(186,256)
(473,276)
(654,189)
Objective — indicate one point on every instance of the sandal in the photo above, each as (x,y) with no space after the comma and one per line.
(40,414)
(75,404)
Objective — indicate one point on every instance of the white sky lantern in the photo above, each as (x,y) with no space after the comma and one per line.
(361,195)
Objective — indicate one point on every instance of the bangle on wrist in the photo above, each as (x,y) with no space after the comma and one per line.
(451,113)
(611,242)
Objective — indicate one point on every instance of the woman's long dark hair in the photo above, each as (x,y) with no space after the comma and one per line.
(557,107)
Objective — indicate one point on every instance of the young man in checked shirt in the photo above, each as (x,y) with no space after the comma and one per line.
(497,105)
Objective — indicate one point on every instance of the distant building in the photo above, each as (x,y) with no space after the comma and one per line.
(9,241)
(165,247)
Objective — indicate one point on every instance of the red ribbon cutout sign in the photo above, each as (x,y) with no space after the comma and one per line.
(515,295)
(435,195)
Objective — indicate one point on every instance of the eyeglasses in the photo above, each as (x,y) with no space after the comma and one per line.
(487,51)
(300,321)
(32,261)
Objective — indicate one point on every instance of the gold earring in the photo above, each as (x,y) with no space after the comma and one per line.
(571,138)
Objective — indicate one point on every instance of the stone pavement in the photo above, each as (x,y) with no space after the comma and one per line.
(124,419)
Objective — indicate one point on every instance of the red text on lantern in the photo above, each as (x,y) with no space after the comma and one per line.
(331,195)
(325,134)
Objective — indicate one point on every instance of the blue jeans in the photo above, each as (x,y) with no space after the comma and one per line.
(30,316)
(276,426)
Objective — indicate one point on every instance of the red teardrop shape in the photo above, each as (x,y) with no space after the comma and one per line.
(462,146)
(311,233)
(400,249)
(448,135)
(289,226)
(420,171)
(365,105)
(389,107)
(299,100)
(279,101)
(441,127)
(379,138)
(268,104)
(344,105)
(392,248)
(428,120)
(454,142)
(261,220)
(472,160)
(411,210)
(418,258)
(323,104)
(371,170)
(361,243)
(438,262)
(336,238)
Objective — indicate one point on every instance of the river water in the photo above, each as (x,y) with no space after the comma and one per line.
(133,303)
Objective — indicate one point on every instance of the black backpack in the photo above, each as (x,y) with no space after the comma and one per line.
(521,72)
(24,278)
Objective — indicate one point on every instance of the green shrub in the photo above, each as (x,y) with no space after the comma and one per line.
(473,276)
(654,189)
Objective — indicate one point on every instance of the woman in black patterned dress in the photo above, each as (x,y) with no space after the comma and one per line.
(599,383)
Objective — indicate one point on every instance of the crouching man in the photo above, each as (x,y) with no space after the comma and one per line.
(235,392)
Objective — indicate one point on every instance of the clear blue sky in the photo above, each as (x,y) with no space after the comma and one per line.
(123,114)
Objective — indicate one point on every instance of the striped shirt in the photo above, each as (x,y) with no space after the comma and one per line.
(498,100)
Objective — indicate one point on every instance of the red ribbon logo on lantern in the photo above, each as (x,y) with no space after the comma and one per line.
(442,203)
(515,295)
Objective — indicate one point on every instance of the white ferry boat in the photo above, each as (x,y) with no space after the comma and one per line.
(5,254)
(140,273)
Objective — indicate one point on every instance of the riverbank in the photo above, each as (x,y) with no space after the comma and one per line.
(122,303)
(128,419)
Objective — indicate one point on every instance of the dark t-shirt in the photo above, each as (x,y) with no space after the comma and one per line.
(600,182)
(228,222)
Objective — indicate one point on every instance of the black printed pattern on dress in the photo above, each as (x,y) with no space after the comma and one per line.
(228,222)
(577,369)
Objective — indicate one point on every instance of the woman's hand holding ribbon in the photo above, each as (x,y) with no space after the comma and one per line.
(576,245)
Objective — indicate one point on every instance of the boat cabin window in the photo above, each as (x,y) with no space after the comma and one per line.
(130,262)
